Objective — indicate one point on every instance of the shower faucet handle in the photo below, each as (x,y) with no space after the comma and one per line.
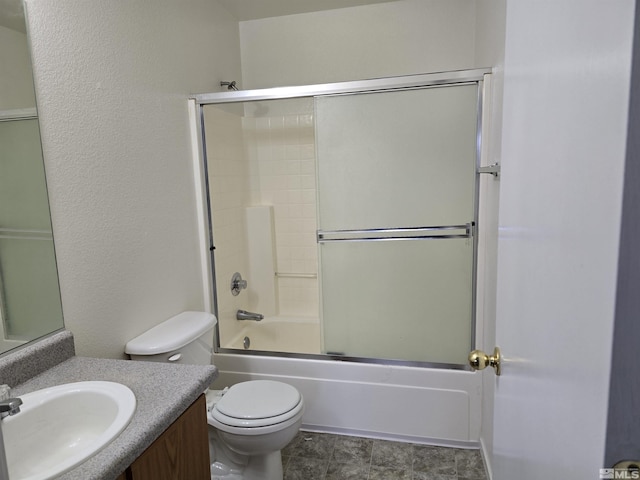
(237,284)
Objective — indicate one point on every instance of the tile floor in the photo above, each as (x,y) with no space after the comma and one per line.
(322,456)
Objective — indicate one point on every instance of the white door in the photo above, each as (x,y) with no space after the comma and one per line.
(567,70)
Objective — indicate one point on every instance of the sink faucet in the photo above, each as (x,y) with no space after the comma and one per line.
(8,406)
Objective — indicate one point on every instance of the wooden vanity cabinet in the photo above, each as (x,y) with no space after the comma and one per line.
(180,453)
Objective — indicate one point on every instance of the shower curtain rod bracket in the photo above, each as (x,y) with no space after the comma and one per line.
(493,169)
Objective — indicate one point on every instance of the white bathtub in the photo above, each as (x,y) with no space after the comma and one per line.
(421,405)
(280,334)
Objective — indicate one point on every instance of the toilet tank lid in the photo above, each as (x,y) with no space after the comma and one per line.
(171,334)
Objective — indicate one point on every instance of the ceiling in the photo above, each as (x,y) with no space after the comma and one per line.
(11,13)
(255,9)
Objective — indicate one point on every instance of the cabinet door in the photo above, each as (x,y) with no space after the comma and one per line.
(181,452)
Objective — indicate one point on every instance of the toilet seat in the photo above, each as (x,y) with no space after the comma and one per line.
(257,403)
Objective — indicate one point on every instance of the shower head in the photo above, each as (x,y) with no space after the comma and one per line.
(230,85)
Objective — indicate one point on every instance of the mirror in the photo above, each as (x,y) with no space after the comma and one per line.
(30,304)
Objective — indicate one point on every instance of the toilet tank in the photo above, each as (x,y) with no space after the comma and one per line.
(186,338)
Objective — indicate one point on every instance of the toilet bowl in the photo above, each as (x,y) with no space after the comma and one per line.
(250,422)
(254,420)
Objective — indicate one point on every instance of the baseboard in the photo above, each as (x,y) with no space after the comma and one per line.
(487,459)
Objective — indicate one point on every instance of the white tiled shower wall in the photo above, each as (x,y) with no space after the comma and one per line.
(281,137)
(266,157)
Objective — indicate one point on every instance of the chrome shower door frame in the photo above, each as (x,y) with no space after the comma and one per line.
(199,101)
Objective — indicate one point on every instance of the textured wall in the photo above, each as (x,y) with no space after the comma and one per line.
(112,80)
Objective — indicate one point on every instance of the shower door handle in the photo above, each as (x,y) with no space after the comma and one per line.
(478,360)
(399,233)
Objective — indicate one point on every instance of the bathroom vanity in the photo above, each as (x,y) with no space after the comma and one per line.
(180,452)
(167,435)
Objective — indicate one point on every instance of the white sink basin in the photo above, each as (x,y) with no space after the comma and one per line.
(60,427)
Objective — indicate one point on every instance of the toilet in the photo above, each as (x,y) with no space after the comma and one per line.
(249,422)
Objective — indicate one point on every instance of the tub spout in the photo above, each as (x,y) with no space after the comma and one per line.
(244,315)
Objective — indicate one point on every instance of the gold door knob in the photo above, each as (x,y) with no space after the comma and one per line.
(479,360)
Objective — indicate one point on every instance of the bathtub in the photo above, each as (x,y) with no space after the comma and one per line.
(279,334)
(412,404)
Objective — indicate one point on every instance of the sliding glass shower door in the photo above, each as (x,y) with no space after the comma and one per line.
(380,179)
(397,202)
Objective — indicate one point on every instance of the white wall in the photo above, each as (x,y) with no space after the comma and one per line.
(112,79)
(389,39)
(490,32)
